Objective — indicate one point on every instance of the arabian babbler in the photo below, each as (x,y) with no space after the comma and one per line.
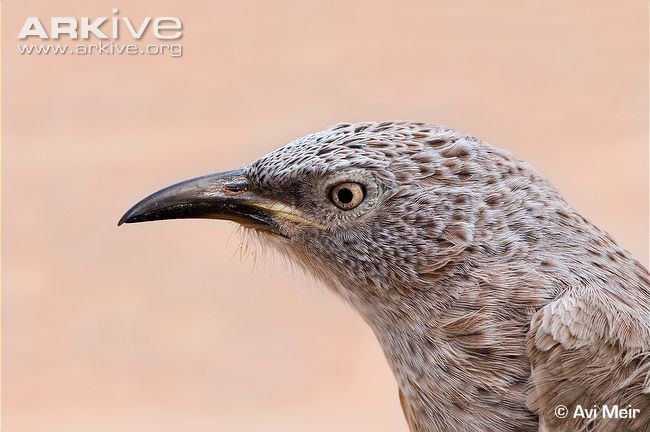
(497,305)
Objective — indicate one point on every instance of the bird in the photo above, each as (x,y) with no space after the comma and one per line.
(497,305)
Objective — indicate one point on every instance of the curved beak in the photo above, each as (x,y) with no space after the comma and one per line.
(224,195)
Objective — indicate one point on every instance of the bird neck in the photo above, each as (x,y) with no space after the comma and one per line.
(455,366)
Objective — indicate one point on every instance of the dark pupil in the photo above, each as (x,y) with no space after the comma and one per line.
(344,195)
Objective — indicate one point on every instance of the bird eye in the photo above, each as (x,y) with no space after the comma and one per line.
(347,196)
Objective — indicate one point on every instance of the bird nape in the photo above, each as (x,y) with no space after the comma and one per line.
(495,302)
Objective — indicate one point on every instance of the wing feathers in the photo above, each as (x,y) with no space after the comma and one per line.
(589,349)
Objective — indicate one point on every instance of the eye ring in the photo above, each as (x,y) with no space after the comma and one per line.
(347,195)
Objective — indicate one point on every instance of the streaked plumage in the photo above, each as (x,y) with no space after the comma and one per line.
(494,300)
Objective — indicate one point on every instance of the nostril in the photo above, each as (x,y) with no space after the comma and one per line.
(236,187)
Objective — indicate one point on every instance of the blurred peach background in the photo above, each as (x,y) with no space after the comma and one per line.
(162,326)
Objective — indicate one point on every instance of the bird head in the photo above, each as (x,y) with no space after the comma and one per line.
(376,210)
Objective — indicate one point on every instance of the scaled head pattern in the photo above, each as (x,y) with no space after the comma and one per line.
(493,300)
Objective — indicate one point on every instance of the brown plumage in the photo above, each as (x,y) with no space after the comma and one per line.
(494,301)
